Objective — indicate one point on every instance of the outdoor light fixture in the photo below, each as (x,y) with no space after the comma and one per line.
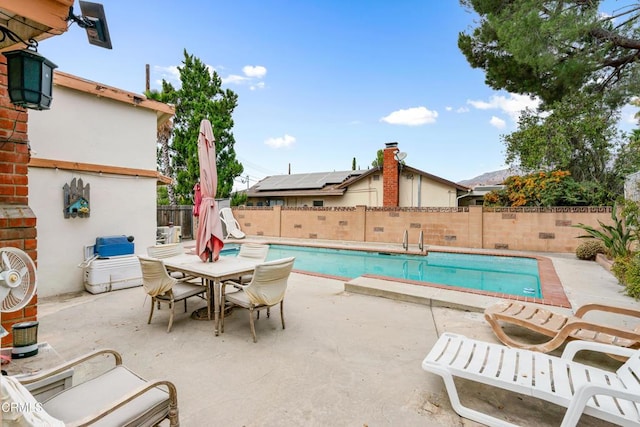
(30,75)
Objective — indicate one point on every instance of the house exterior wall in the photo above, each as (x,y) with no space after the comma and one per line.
(526,229)
(418,191)
(367,191)
(86,129)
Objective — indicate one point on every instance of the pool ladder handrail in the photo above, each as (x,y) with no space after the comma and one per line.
(405,240)
(421,241)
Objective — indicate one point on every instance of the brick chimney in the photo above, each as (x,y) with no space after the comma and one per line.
(390,176)
(17,220)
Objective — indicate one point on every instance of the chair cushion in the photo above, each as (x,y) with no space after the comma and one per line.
(238,298)
(92,396)
(182,290)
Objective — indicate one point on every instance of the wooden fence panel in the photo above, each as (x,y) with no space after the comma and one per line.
(178,215)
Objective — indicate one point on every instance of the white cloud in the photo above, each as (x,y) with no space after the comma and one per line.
(259,85)
(234,79)
(512,105)
(462,110)
(497,122)
(284,141)
(415,116)
(257,71)
(448,108)
(170,73)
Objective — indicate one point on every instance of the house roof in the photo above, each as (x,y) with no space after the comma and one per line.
(37,19)
(304,184)
(163,111)
(326,183)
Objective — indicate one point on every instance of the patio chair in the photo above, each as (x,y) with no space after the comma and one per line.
(165,250)
(610,396)
(559,326)
(231,225)
(254,251)
(266,289)
(116,397)
(163,288)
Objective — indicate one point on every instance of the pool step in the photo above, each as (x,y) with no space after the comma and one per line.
(417,294)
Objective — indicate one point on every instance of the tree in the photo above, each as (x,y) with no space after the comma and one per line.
(168,96)
(556,188)
(553,48)
(353,164)
(579,135)
(379,161)
(581,63)
(201,96)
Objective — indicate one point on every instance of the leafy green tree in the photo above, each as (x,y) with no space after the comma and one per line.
(379,161)
(168,96)
(201,96)
(239,198)
(582,64)
(579,135)
(553,48)
(353,164)
(555,188)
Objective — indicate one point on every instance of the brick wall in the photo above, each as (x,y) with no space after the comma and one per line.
(17,220)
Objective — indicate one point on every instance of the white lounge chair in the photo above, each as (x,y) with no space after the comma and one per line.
(231,225)
(611,396)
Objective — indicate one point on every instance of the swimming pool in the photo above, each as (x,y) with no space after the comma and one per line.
(500,274)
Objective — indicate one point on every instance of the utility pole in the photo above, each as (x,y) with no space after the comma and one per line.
(148,78)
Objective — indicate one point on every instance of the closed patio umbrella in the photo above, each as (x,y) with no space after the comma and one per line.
(209,238)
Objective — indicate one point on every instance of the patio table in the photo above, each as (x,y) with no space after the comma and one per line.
(226,267)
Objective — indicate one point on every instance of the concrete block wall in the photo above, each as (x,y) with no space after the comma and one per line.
(530,229)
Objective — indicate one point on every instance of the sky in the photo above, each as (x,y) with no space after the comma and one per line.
(319,82)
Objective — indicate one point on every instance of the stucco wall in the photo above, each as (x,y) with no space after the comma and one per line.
(87,129)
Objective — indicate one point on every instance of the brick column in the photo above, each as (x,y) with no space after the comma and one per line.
(17,220)
(390,176)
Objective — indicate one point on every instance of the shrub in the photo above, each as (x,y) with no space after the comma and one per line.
(627,271)
(632,278)
(590,248)
(620,266)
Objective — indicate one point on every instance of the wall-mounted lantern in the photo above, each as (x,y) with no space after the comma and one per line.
(30,75)
(30,78)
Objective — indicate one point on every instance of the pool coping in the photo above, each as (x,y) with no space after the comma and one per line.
(553,292)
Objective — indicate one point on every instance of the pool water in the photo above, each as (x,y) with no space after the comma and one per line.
(501,274)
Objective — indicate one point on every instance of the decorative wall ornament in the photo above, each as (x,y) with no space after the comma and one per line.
(76,199)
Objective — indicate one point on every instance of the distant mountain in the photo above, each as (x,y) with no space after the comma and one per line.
(490,178)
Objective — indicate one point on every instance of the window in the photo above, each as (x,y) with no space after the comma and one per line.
(318,203)
(376,177)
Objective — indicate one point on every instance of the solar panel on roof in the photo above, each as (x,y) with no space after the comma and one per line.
(307,181)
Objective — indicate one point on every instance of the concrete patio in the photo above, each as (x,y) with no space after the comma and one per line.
(344,359)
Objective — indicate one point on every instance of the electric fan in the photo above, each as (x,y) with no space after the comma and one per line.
(17,287)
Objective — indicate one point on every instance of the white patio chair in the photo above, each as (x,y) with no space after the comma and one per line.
(254,251)
(266,289)
(116,397)
(611,396)
(231,225)
(163,288)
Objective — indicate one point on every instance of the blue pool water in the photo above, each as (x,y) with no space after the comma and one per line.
(507,275)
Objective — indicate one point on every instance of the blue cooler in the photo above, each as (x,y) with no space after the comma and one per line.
(109,246)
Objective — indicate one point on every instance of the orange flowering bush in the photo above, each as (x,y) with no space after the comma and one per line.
(555,188)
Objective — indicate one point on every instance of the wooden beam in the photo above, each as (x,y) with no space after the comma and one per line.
(91,167)
(163,111)
(50,13)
